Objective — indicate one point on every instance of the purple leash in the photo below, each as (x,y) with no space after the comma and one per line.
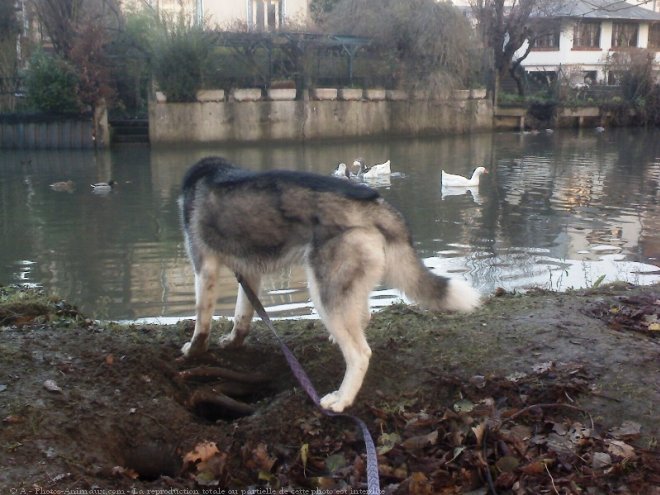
(373,480)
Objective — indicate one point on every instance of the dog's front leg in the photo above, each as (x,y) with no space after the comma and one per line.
(243,314)
(206,293)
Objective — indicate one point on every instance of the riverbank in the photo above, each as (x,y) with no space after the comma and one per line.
(532,393)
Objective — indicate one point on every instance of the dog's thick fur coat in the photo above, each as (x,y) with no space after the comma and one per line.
(348,238)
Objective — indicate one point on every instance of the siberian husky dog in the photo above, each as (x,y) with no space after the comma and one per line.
(346,236)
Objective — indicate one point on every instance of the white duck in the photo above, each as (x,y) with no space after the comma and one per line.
(451,180)
(378,170)
(342,171)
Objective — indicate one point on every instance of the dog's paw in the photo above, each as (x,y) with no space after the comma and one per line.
(334,402)
(194,348)
(231,341)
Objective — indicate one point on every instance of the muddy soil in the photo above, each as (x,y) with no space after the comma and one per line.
(479,403)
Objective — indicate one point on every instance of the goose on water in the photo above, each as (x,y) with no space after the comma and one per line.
(451,180)
(378,170)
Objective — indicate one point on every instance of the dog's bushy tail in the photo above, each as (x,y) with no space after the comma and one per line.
(406,272)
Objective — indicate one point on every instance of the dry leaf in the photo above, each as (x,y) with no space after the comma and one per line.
(620,449)
(261,458)
(419,484)
(304,454)
(536,467)
(51,386)
(507,464)
(202,452)
(421,441)
(387,442)
(601,460)
(627,429)
(122,471)
(479,431)
(13,419)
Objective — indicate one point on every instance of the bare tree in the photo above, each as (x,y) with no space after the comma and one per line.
(420,42)
(9,31)
(506,27)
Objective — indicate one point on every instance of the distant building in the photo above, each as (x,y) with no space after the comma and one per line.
(254,15)
(581,39)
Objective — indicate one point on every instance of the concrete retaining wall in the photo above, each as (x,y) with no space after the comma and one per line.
(299,120)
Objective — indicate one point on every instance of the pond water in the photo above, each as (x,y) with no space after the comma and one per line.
(558,210)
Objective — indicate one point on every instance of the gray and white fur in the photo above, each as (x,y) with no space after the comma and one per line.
(346,236)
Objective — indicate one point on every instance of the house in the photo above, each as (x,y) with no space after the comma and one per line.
(251,15)
(255,15)
(584,39)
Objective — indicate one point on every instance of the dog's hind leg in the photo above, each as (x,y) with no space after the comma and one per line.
(207,274)
(340,290)
(243,314)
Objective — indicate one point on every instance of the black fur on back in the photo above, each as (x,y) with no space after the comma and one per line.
(218,172)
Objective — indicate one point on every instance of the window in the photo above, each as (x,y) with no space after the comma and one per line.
(654,36)
(624,34)
(586,34)
(546,36)
(265,15)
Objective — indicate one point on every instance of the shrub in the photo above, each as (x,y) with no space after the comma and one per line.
(179,63)
(52,84)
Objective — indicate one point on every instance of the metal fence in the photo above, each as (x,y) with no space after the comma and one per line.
(45,132)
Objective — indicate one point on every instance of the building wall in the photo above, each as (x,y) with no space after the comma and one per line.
(228,13)
(580,60)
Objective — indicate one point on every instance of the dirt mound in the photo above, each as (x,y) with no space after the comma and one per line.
(531,394)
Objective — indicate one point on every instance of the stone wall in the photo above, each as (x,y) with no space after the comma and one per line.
(245,116)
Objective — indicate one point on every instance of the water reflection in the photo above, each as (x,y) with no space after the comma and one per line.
(556,211)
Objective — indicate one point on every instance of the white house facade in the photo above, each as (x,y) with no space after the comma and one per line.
(255,15)
(586,37)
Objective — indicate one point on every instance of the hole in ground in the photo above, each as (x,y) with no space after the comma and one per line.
(152,460)
(216,393)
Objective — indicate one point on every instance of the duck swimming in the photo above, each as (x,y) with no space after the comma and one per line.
(342,171)
(378,170)
(103,187)
(451,180)
(62,186)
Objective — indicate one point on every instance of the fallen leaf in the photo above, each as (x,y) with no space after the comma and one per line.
(479,431)
(421,441)
(463,406)
(543,367)
(507,464)
(202,452)
(12,419)
(387,441)
(212,470)
(601,460)
(457,452)
(536,467)
(206,478)
(626,430)
(51,386)
(516,376)
(261,458)
(419,484)
(620,449)
(109,359)
(304,454)
(122,471)
(335,462)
